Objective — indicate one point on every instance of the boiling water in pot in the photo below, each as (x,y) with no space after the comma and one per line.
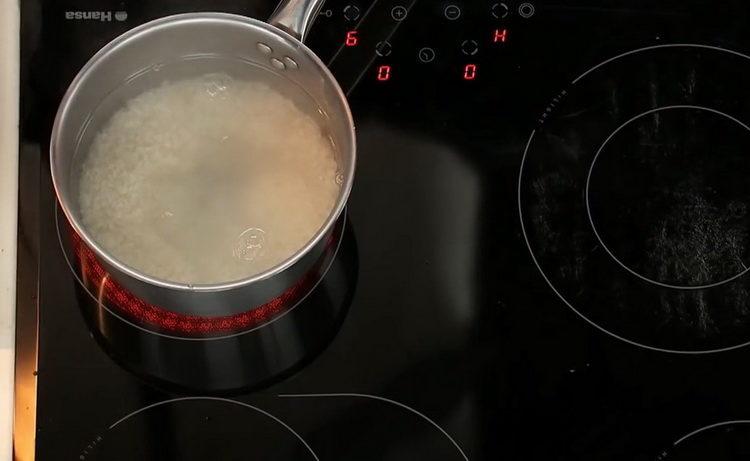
(207,179)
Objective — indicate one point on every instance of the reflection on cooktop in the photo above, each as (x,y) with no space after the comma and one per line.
(250,357)
(626,205)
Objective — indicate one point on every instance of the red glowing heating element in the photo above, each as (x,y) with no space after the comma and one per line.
(500,36)
(352,38)
(470,71)
(115,295)
(384,73)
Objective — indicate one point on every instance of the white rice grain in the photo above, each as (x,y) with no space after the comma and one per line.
(207,180)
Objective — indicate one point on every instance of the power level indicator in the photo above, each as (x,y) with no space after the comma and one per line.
(352,38)
(470,72)
(500,36)
(384,73)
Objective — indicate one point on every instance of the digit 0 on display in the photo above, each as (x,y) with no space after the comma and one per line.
(470,71)
(384,73)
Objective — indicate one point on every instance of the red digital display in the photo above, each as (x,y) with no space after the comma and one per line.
(351,38)
(384,73)
(500,36)
(470,71)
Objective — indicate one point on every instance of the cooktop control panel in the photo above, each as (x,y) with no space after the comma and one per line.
(406,41)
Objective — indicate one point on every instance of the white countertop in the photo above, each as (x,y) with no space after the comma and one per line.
(9,108)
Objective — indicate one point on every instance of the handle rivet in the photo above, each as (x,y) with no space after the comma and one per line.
(263,48)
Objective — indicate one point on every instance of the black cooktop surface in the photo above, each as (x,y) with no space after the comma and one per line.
(544,253)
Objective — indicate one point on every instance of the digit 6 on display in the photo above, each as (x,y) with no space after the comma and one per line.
(352,38)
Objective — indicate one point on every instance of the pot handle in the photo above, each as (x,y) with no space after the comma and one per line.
(296,16)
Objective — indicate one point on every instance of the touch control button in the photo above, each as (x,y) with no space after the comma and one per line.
(383,49)
(470,47)
(452,12)
(500,10)
(399,13)
(351,12)
(426,55)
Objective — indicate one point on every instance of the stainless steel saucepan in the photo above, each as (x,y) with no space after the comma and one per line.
(190,45)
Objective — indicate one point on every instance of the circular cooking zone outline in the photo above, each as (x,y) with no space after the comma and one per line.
(117,315)
(260,411)
(668,455)
(526,234)
(588,202)
(395,403)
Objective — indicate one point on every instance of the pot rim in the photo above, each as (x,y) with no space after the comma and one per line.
(75,88)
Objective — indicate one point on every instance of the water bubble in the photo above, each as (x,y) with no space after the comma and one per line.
(157,67)
(339,178)
(214,88)
(249,244)
(217,84)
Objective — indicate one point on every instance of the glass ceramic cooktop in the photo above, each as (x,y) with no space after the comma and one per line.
(545,254)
